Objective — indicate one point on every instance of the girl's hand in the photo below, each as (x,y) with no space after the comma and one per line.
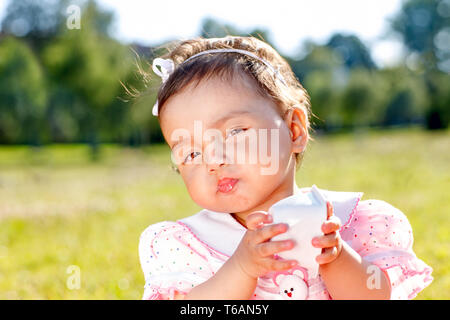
(255,253)
(330,242)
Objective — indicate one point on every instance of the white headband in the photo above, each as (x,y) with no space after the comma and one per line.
(167,67)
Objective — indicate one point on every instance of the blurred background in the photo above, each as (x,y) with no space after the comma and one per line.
(84,168)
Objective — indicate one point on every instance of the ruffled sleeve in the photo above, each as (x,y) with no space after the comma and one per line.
(382,235)
(172,260)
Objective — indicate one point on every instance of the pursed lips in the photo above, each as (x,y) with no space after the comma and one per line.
(226,184)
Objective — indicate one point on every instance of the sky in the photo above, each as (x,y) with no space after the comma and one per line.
(289,22)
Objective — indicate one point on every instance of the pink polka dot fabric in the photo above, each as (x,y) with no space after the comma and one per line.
(382,234)
(174,259)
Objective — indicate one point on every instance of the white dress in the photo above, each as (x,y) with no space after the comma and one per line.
(176,256)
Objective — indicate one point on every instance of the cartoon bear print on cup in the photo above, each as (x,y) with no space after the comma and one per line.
(293,285)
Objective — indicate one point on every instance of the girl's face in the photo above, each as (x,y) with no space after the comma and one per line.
(226,159)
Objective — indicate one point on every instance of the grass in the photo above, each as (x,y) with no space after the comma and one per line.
(58,209)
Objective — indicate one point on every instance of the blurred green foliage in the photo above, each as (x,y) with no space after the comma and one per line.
(77,85)
(425,29)
(23,94)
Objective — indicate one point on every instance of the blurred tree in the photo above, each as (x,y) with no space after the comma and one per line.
(211,28)
(361,98)
(352,51)
(323,95)
(23,94)
(438,113)
(322,74)
(406,98)
(92,65)
(64,111)
(36,21)
(318,58)
(424,26)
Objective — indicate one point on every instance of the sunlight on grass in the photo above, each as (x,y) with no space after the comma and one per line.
(57,208)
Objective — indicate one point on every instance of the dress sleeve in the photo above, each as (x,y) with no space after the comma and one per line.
(172,260)
(382,235)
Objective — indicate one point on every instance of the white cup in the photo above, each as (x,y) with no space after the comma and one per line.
(304,213)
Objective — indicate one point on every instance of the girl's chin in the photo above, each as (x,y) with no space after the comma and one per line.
(230,205)
(227,205)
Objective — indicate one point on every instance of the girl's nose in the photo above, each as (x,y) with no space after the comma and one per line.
(215,163)
(214,166)
(215,159)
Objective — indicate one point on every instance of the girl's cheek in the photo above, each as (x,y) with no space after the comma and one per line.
(188,174)
(285,144)
(230,151)
(192,184)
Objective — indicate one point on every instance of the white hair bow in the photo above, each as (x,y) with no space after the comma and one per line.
(166,67)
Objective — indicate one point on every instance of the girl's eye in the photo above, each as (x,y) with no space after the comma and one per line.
(235,131)
(191,156)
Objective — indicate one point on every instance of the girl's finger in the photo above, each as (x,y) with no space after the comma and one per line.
(327,255)
(331,225)
(326,241)
(267,232)
(257,219)
(279,265)
(329,209)
(266,249)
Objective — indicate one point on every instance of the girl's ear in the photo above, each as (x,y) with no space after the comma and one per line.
(174,168)
(296,123)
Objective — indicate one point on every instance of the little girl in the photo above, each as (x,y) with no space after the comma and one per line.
(216,95)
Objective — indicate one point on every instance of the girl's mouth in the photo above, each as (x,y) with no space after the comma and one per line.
(225,185)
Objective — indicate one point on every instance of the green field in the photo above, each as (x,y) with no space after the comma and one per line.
(58,209)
